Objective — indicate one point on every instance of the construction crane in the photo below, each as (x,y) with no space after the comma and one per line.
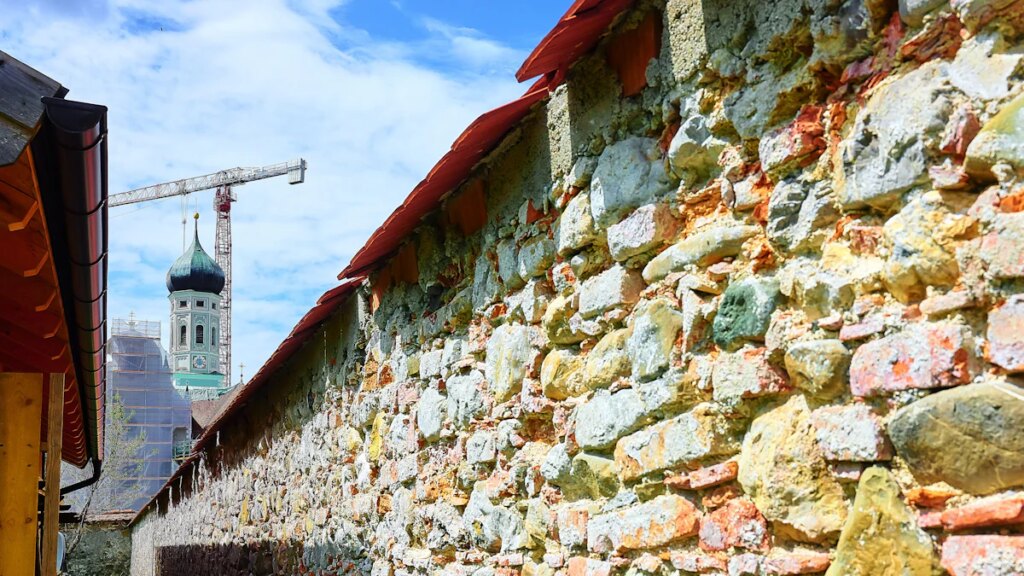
(223,182)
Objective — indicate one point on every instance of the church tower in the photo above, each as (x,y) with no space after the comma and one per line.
(195,282)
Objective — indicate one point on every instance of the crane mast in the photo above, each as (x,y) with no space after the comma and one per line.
(223,182)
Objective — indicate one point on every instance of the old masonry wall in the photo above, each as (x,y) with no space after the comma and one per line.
(744,296)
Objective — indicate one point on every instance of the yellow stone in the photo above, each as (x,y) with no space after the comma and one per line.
(881,536)
(376,437)
(561,374)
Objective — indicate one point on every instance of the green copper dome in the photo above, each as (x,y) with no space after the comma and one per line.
(195,270)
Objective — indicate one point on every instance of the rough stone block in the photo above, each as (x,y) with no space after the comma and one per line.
(799,214)
(819,367)
(655,327)
(648,227)
(773,97)
(968,437)
(493,527)
(480,448)
(508,264)
(746,374)
(998,142)
(510,357)
(736,524)
(430,364)
(881,535)
(557,321)
(982,555)
(561,374)
(923,356)
(607,417)
(924,236)
(663,520)
(430,413)
(745,312)
(701,248)
(629,174)
(688,438)
(612,288)
(465,398)
(535,257)
(575,228)
(693,151)
(851,434)
(608,360)
(893,136)
(528,305)
(784,472)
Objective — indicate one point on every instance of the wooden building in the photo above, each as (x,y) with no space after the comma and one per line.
(53,272)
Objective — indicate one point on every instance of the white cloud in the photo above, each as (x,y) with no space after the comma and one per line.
(223,86)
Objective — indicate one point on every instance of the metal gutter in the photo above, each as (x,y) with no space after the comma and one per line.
(70,153)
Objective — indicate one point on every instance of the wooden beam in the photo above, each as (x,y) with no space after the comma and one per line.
(21,415)
(51,504)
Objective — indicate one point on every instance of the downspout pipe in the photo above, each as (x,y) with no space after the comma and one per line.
(96,466)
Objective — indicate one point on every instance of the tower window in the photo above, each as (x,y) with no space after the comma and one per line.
(199,334)
(213,305)
(182,303)
(182,336)
(200,303)
(213,335)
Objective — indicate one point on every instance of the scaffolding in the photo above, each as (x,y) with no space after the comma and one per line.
(140,375)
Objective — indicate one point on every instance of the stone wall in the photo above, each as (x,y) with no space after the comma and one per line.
(105,549)
(751,306)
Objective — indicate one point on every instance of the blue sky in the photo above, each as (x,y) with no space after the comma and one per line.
(370,92)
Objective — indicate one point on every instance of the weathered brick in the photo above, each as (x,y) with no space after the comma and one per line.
(983,555)
(943,304)
(800,562)
(690,437)
(706,477)
(922,356)
(1003,248)
(657,522)
(571,522)
(736,524)
(612,288)
(648,563)
(697,562)
(851,433)
(583,566)
(992,511)
(1006,335)
(861,330)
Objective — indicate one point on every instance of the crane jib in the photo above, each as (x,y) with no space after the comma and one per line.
(222,182)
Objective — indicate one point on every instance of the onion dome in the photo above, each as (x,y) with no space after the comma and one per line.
(195,270)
